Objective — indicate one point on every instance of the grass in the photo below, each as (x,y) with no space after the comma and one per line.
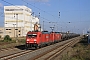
(12,43)
(81,51)
(21,40)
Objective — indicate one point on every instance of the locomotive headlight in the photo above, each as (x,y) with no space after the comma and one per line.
(35,40)
(27,39)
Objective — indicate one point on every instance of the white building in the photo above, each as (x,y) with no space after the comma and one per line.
(19,17)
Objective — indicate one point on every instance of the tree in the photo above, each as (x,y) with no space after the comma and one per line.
(7,38)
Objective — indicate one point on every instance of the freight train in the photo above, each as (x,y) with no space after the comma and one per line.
(36,39)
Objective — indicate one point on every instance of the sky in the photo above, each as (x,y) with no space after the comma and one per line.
(63,15)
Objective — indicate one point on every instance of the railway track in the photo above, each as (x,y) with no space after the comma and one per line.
(45,53)
(53,53)
(14,55)
(7,49)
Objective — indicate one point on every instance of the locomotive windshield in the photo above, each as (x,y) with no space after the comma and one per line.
(32,35)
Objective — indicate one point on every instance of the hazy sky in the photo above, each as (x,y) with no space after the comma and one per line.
(74,14)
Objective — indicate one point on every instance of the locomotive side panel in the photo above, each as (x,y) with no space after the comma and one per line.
(45,37)
(52,37)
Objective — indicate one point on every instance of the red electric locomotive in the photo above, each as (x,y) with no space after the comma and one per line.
(33,39)
(37,39)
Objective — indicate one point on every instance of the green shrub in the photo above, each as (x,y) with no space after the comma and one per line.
(7,38)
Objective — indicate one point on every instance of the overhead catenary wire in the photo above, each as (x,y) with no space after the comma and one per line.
(28,4)
(39,9)
(36,8)
(20,19)
(2,15)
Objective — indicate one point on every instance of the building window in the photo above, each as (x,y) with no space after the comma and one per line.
(19,30)
(13,9)
(19,34)
(9,29)
(6,29)
(16,29)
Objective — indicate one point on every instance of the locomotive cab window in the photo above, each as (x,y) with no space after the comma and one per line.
(32,35)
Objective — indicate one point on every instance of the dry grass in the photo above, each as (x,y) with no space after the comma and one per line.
(81,51)
(13,43)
